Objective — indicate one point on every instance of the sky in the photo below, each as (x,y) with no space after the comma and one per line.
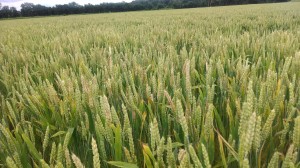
(17,3)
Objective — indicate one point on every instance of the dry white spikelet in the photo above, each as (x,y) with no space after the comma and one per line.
(188,86)
(296,133)
(77,161)
(96,160)
(182,118)
(247,137)
(205,156)
(268,125)
(68,159)
(274,161)
(194,157)
(288,157)
(10,163)
(106,109)
(46,139)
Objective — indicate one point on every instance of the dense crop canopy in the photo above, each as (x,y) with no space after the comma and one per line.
(208,87)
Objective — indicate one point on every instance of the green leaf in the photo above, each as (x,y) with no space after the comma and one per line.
(230,148)
(3,89)
(221,148)
(122,164)
(118,142)
(66,141)
(147,151)
(177,144)
(147,160)
(58,134)
(219,122)
(32,148)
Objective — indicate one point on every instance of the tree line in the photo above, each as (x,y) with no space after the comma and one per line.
(30,9)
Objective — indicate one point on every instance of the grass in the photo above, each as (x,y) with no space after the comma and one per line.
(208,87)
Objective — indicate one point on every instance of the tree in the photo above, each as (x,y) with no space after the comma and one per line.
(13,12)
(5,12)
(27,9)
(41,10)
(75,7)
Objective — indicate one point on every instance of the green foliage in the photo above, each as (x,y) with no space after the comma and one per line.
(213,87)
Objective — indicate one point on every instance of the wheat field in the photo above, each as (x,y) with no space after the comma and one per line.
(207,87)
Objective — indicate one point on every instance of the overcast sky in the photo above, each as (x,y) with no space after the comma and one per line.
(17,3)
